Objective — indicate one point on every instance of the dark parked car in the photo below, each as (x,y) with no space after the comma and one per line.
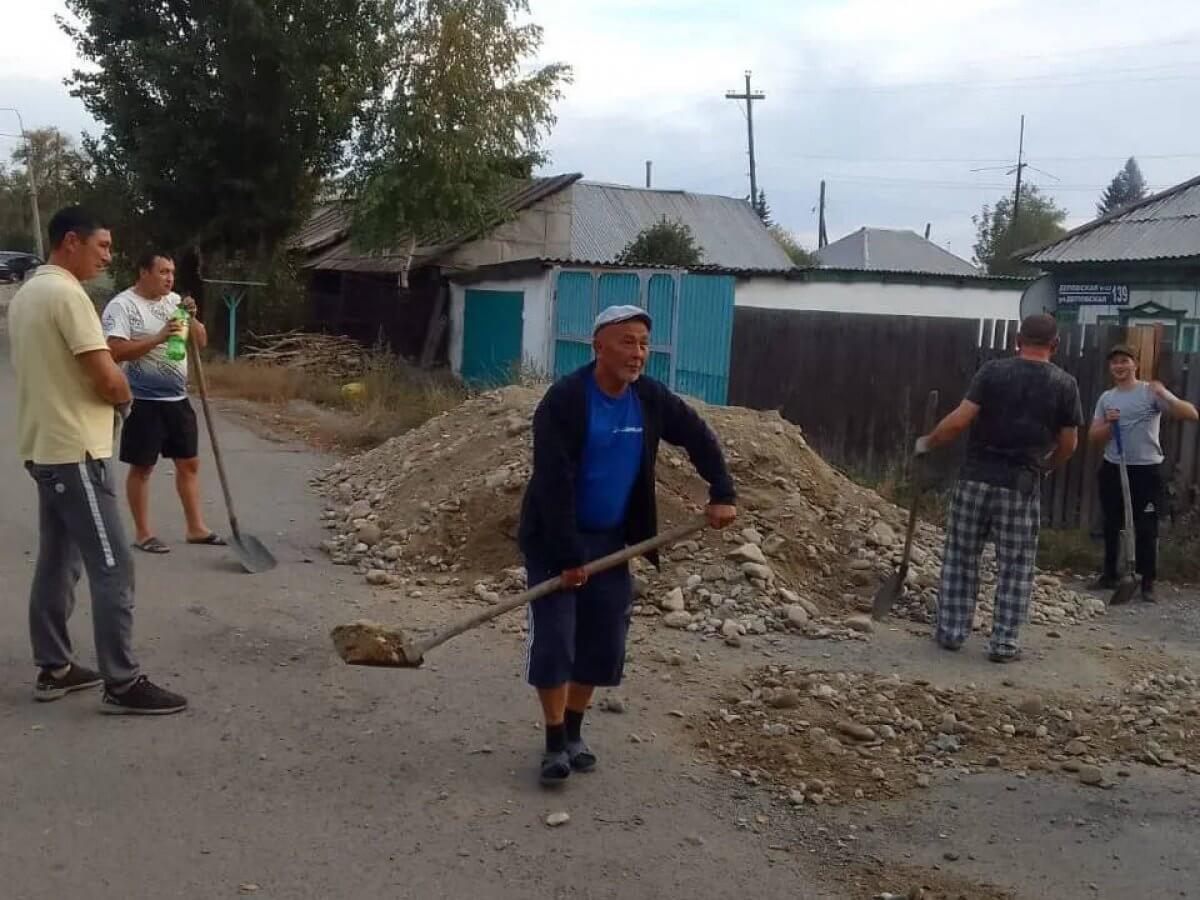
(14,265)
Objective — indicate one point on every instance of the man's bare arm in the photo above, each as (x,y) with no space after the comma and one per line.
(105,377)
(950,428)
(126,349)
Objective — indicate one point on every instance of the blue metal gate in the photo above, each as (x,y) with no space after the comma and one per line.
(693,324)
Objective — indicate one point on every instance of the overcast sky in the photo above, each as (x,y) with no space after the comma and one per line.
(894,104)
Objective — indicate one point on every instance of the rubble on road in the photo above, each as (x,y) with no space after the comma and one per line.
(440,505)
(835,737)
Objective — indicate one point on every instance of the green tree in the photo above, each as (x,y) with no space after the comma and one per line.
(665,243)
(1128,186)
(1038,219)
(797,254)
(62,173)
(761,207)
(461,120)
(221,117)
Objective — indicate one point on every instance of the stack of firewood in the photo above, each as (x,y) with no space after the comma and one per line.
(323,354)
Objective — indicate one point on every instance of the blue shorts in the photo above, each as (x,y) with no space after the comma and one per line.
(579,635)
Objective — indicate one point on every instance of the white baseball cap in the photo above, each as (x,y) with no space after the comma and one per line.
(614,315)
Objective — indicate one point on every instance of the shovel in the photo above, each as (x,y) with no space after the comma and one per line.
(250,551)
(367,644)
(1128,544)
(889,592)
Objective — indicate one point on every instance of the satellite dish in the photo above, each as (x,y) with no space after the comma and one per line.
(1041,297)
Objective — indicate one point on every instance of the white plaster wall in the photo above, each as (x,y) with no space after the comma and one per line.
(950,301)
(535,328)
(1185,299)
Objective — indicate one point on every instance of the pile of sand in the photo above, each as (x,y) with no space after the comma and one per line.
(810,547)
(836,737)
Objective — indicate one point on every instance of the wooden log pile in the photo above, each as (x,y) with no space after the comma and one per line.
(320,354)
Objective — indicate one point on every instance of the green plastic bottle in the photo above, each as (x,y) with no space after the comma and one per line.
(177,343)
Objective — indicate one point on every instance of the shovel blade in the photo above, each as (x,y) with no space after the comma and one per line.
(887,595)
(252,554)
(1124,592)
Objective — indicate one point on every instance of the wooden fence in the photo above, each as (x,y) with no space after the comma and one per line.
(857,386)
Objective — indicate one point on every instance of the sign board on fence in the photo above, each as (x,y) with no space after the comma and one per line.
(1093,295)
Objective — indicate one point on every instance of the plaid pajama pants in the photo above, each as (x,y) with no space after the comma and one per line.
(979,512)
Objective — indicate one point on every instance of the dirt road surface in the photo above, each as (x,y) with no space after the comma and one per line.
(293,776)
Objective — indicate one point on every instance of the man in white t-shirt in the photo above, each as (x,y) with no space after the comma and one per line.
(137,324)
(1138,407)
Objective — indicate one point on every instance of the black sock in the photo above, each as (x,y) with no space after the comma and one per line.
(574,725)
(556,738)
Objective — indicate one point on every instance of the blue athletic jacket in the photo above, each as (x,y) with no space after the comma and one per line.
(548,531)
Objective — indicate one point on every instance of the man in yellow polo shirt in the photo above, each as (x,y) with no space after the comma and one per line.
(67,390)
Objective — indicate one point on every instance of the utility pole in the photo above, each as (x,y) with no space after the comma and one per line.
(37,216)
(1020,169)
(749,96)
(822,237)
(648,165)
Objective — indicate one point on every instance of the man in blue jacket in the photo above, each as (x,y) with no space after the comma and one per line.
(595,440)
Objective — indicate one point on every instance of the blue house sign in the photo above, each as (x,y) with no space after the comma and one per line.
(1093,295)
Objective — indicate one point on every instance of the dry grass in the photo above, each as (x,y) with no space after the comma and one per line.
(395,396)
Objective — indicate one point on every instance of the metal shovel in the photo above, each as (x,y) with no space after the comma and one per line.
(1127,560)
(368,644)
(250,551)
(889,592)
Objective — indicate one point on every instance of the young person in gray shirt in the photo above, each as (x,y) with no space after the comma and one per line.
(1139,407)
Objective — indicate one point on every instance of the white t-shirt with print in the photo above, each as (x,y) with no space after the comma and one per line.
(132,317)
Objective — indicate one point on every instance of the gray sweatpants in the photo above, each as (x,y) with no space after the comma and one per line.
(80,528)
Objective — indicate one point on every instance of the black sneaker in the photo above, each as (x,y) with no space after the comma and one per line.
(1004,657)
(142,698)
(556,767)
(581,755)
(1148,594)
(77,678)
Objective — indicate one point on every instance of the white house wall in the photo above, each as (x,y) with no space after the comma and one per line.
(1185,299)
(535,327)
(880,298)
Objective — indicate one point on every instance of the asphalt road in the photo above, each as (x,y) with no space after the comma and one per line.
(294,776)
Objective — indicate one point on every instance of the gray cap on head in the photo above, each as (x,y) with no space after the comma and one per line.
(614,315)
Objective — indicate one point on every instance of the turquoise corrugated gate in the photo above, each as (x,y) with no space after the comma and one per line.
(693,324)
(705,333)
(492,323)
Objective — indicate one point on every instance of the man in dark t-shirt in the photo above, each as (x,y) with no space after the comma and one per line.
(1023,414)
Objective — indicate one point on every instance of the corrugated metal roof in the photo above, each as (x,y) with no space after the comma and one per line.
(888,250)
(344,258)
(1164,226)
(606,218)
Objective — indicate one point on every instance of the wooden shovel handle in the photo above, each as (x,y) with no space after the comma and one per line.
(554,584)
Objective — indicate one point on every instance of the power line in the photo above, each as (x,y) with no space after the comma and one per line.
(983,159)
(1076,79)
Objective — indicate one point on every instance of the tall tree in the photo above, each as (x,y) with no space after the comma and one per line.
(461,121)
(796,253)
(665,243)
(761,207)
(62,175)
(1128,186)
(997,238)
(221,117)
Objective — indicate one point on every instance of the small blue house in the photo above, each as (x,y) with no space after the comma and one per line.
(534,318)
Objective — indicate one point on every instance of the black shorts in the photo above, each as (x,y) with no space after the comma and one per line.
(159,428)
(580,635)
